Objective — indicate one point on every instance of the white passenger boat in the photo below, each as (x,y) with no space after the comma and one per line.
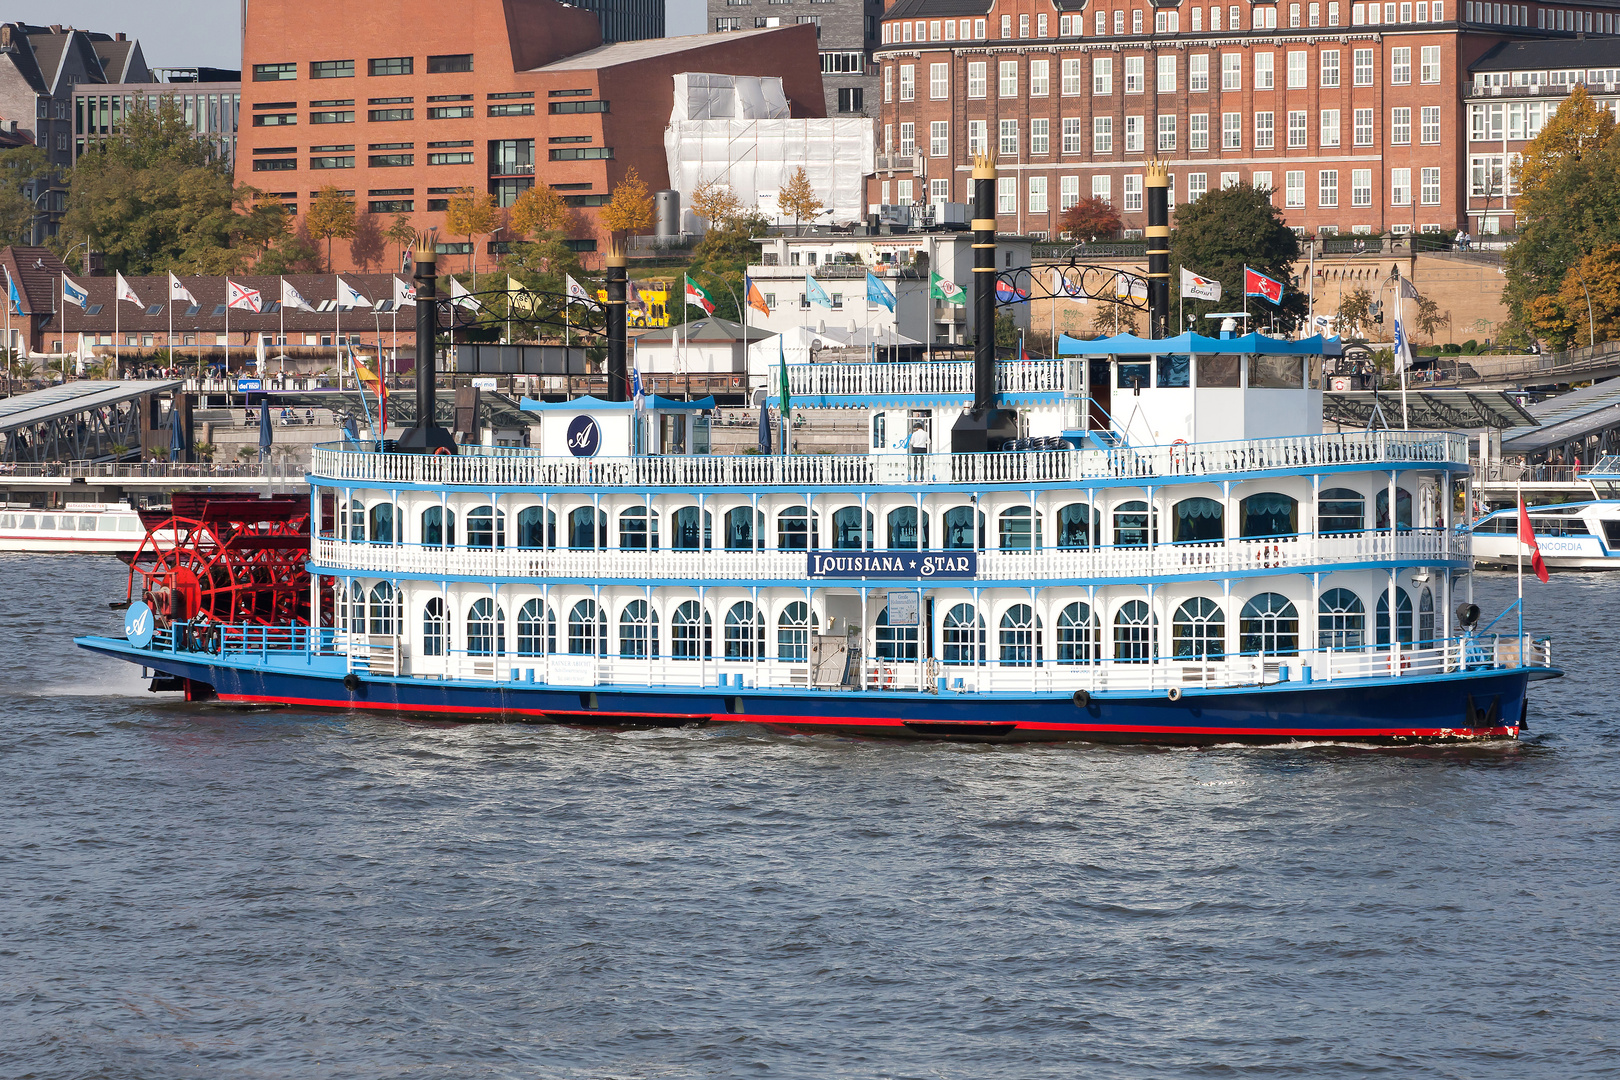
(1571,536)
(77,528)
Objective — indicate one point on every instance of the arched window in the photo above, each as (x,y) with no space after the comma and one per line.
(486,527)
(355,522)
(1269,513)
(536,629)
(1403,616)
(433,627)
(1131,524)
(745,632)
(638,530)
(1341,510)
(691,632)
(963,636)
(1076,635)
(1341,621)
(1016,533)
(895,642)
(1133,632)
(793,630)
(797,529)
(959,531)
(638,631)
(689,531)
(740,524)
(587,528)
(1425,634)
(903,528)
(536,527)
(486,629)
(1199,521)
(1078,526)
(1269,624)
(587,629)
(1021,636)
(438,527)
(847,532)
(1199,630)
(1403,509)
(384,609)
(382,523)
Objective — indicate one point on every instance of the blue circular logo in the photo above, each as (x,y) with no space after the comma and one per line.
(138,624)
(584,436)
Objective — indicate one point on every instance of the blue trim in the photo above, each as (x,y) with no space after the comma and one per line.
(908,401)
(1247,345)
(596,404)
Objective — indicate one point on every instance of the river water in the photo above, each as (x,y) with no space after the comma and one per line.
(190,891)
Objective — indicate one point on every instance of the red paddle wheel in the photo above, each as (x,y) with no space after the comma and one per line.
(225,559)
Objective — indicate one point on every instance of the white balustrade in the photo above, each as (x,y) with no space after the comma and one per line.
(935,377)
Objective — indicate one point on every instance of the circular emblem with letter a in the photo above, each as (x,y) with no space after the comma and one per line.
(138,625)
(584,436)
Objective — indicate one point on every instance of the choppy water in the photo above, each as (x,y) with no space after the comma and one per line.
(187,891)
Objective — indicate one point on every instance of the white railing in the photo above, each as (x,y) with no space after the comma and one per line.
(1048,564)
(939,377)
(481,469)
(879,675)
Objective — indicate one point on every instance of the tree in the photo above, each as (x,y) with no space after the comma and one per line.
(472,213)
(1579,126)
(331,214)
(1430,318)
(293,252)
(1091,218)
(716,203)
(629,210)
(1110,319)
(1226,230)
(368,245)
(540,209)
(19,168)
(1586,307)
(401,234)
(720,262)
(1355,315)
(799,199)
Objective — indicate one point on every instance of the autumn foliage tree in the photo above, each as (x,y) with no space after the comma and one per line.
(472,213)
(331,215)
(630,208)
(540,209)
(716,203)
(1091,218)
(798,199)
(401,234)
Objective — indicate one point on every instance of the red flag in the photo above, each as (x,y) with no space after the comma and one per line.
(1257,284)
(1527,535)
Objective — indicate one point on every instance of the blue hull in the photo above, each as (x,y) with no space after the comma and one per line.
(1487,704)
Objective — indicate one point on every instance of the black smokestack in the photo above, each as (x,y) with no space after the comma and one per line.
(426,437)
(1158,250)
(984,427)
(618,376)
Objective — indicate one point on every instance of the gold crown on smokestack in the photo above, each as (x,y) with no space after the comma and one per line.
(426,246)
(984,166)
(1156,170)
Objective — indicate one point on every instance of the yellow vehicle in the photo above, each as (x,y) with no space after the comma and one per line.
(649,301)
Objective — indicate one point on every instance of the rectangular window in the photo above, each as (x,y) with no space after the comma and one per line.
(1327,188)
(1133,194)
(939,141)
(851,99)
(581,153)
(1008,144)
(275,119)
(441,65)
(1364,67)
(1007,82)
(512,108)
(1400,126)
(1198,131)
(331,69)
(1102,188)
(466,158)
(888,82)
(1007,195)
(332,161)
(908,82)
(939,191)
(1167,74)
(1102,75)
(1068,193)
(271,73)
(1294,190)
(1040,78)
(1040,138)
(1430,130)
(1265,72)
(1265,130)
(558,108)
(1134,76)
(908,140)
(976,79)
(1073,80)
(390,65)
(1330,69)
(275,164)
(1333,13)
(1037,195)
(385,116)
(1231,131)
(1429,69)
(1400,187)
(1360,187)
(1298,70)
(1073,135)
(939,81)
(1198,73)
(1231,71)
(844,63)
(977,136)
(1197,185)
(1262,182)
(1230,179)
(978,29)
(1400,65)
(391,161)
(1133,134)
(1328,129)
(1430,192)
(1363,127)
(1167,131)
(1296,129)
(465,112)
(1102,134)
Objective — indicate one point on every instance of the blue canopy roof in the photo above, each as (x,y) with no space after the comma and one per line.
(1248,344)
(589,403)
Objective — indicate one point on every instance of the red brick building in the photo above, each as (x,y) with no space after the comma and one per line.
(505,91)
(1353,113)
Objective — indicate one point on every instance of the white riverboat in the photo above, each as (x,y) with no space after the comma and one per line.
(1571,536)
(76,528)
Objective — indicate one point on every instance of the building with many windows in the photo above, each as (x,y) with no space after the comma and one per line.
(510,92)
(1352,113)
(846,33)
(210,108)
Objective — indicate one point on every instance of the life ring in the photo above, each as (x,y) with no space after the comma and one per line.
(445,450)
(1406,665)
(1178,452)
(1174,693)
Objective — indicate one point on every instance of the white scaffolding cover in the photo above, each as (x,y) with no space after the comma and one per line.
(736,129)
